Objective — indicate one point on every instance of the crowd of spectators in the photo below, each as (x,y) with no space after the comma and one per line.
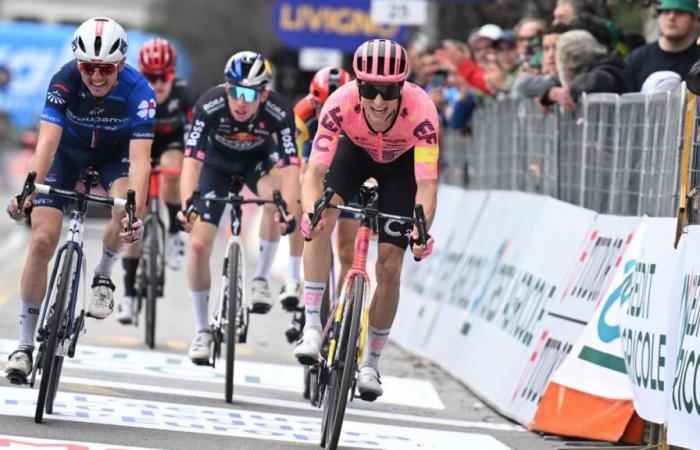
(555,63)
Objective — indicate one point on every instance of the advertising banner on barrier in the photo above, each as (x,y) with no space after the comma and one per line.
(423,285)
(499,292)
(684,392)
(647,296)
(589,395)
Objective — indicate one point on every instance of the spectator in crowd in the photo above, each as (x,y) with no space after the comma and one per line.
(525,31)
(566,11)
(457,58)
(535,86)
(482,42)
(584,65)
(674,49)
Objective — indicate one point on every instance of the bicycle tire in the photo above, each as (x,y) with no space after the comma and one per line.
(48,383)
(345,376)
(53,387)
(231,312)
(152,289)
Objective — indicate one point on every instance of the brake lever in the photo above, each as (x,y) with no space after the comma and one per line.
(320,205)
(27,190)
(130,210)
(421,225)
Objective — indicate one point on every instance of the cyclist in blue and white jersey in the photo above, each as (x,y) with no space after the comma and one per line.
(98,113)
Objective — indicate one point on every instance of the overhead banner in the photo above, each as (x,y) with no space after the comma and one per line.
(684,391)
(30,53)
(341,24)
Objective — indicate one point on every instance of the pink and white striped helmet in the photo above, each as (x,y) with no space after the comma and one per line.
(381,60)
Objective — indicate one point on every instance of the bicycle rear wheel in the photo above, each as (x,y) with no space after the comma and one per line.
(153,248)
(51,370)
(234,302)
(347,356)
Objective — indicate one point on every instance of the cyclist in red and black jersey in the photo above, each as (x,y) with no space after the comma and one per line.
(242,128)
(175,99)
(306,112)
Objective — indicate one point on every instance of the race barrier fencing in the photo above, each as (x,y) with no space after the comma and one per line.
(568,321)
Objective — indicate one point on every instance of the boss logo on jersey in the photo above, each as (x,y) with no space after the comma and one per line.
(426,132)
(332,120)
(195,133)
(288,142)
(213,104)
(147,108)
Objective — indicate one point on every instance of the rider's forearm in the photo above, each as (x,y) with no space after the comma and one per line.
(189,179)
(426,195)
(312,185)
(290,185)
(46,147)
(139,171)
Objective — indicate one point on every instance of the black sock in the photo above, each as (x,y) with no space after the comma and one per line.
(130,265)
(173,209)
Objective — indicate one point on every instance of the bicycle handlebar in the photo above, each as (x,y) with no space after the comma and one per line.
(238,200)
(419,220)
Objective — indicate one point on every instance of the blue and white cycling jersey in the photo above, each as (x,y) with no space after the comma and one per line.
(103,124)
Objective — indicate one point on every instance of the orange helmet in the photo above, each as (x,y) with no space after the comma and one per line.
(157,56)
(327,80)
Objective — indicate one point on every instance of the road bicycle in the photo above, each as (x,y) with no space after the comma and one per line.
(344,332)
(60,326)
(150,272)
(231,315)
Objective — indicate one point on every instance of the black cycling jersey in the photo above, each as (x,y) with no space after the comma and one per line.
(173,117)
(216,138)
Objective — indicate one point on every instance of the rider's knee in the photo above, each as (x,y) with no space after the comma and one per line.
(388,271)
(199,248)
(346,251)
(42,245)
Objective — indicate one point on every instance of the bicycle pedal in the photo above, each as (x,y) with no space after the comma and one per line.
(260,308)
(290,304)
(17,379)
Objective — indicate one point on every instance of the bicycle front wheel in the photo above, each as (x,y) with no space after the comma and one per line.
(233,294)
(50,368)
(153,248)
(347,350)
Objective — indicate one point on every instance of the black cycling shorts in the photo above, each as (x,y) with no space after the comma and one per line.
(350,168)
(214,182)
(161,145)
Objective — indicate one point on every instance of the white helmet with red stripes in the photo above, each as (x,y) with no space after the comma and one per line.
(100,40)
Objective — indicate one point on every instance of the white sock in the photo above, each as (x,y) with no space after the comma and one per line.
(268,250)
(107,261)
(376,339)
(313,296)
(28,317)
(200,307)
(294,268)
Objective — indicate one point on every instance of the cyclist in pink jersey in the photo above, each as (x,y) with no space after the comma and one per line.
(383,127)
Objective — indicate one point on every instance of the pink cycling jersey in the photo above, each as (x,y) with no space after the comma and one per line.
(416,126)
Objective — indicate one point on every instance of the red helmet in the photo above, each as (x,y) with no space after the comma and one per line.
(327,80)
(380,60)
(157,56)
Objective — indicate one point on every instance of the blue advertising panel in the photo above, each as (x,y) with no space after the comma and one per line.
(30,53)
(341,24)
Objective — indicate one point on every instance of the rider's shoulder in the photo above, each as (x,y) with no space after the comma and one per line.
(415,91)
(277,106)
(213,100)
(68,73)
(304,109)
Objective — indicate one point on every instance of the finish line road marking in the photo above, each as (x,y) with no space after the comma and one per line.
(234,422)
(304,406)
(398,391)
(31,443)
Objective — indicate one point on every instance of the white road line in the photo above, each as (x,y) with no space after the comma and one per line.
(98,409)
(305,406)
(32,443)
(398,391)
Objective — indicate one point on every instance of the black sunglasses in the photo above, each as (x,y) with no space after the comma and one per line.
(386,91)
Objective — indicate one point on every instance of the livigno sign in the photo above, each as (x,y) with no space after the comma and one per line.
(340,24)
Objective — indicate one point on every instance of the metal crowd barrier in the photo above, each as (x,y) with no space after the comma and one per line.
(616,154)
